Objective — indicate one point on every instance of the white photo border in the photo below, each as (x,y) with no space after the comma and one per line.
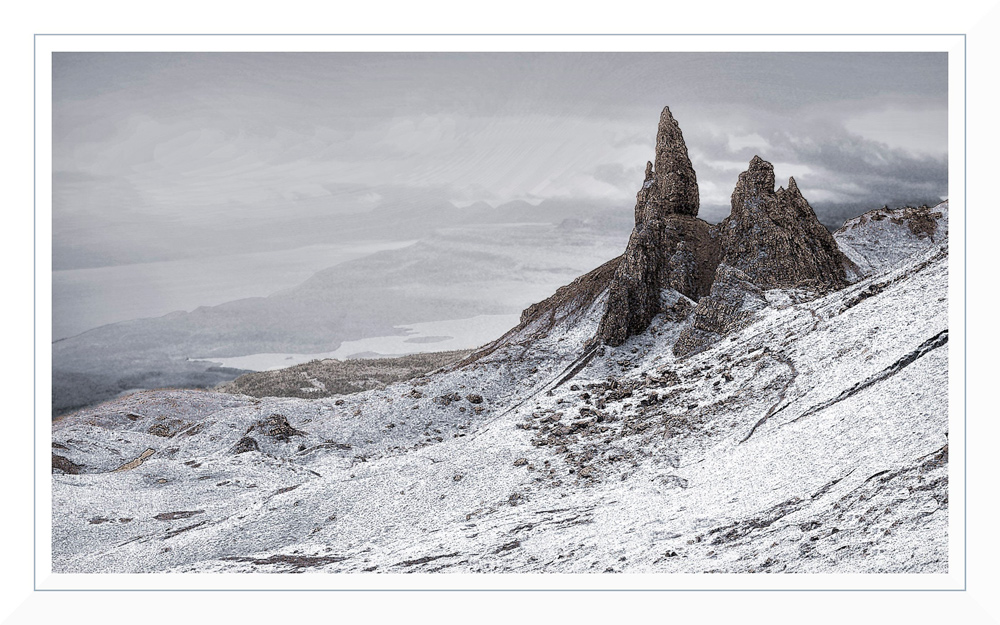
(46,45)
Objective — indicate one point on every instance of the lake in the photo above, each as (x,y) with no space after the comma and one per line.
(87,298)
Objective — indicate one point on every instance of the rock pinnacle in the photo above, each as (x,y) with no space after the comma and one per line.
(674,190)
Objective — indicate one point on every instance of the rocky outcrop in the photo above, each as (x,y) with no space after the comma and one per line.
(670,248)
(277,427)
(881,238)
(62,464)
(775,238)
(771,239)
(670,186)
(244,445)
(728,308)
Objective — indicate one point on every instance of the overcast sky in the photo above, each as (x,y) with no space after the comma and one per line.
(141,139)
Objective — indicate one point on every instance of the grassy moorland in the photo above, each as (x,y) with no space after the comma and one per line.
(325,378)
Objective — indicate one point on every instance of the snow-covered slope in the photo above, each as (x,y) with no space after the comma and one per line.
(813,440)
(884,237)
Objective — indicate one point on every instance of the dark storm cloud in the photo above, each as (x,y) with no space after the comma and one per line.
(834,168)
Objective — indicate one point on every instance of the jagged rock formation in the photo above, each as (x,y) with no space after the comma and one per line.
(670,186)
(669,248)
(564,456)
(774,236)
(728,308)
(791,446)
(771,239)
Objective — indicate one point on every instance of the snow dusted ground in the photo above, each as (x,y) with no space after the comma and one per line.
(875,240)
(815,440)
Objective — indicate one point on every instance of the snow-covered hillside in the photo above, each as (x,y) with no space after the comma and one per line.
(813,440)
(886,236)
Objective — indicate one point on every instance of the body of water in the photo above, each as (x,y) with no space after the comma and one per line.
(87,298)
(432,336)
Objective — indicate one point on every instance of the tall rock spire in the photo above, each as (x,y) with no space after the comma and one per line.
(669,248)
(671,186)
(754,185)
(711,278)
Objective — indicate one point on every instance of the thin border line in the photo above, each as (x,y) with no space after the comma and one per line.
(34,310)
(501,35)
(965,305)
(965,315)
(497,589)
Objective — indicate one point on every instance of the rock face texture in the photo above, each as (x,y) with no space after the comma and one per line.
(771,239)
(730,307)
(670,186)
(670,248)
(775,238)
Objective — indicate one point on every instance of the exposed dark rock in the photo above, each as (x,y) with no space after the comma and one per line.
(920,221)
(474,398)
(508,546)
(425,559)
(729,307)
(244,445)
(173,516)
(678,252)
(669,248)
(159,429)
(771,239)
(447,399)
(277,426)
(293,562)
(670,186)
(62,464)
(775,238)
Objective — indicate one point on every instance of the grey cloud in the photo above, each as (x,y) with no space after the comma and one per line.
(176,144)
(616,174)
(844,173)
